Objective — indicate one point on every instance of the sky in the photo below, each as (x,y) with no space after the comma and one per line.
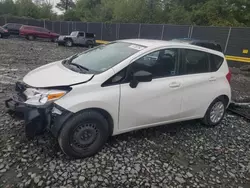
(56,10)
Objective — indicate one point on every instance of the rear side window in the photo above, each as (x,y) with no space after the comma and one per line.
(194,62)
(17,26)
(90,35)
(80,34)
(215,62)
(10,26)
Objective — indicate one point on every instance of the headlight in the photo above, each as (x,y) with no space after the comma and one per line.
(42,96)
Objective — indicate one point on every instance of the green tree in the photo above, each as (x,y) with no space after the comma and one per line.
(65,5)
(8,7)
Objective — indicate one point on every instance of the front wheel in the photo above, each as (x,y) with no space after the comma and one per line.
(215,112)
(68,43)
(84,134)
(53,40)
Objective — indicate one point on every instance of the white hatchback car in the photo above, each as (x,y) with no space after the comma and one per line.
(122,86)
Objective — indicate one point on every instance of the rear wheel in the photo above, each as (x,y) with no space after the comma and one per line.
(68,43)
(215,112)
(84,134)
(30,37)
(90,44)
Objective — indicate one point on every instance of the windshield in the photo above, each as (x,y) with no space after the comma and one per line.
(104,57)
(74,33)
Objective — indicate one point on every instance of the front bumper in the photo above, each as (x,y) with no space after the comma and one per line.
(37,118)
(62,42)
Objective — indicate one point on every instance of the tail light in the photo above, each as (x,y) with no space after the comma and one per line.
(5,30)
(229,76)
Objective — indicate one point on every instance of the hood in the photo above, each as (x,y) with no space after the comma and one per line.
(64,36)
(54,74)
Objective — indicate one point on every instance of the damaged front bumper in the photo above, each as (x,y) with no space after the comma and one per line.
(37,118)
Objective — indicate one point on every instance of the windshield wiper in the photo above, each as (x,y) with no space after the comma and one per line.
(79,66)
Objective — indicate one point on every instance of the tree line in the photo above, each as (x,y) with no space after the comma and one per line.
(195,12)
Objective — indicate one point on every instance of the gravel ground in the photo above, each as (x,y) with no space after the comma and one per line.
(179,155)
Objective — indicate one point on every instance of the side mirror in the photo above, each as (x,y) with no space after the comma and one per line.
(140,76)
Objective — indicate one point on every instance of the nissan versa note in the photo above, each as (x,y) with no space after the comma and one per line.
(119,87)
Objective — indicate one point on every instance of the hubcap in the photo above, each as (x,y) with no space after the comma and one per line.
(217,112)
(68,43)
(84,135)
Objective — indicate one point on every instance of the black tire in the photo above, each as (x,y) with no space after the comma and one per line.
(207,119)
(30,37)
(84,134)
(89,44)
(68,43)
(1,36)
(54,40)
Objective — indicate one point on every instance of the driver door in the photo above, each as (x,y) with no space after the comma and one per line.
(80,38)
(155,102)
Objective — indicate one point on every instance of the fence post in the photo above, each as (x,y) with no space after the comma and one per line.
(162,32)
(139,33)
(60,28)
(189,29)
(87,26)
(118,31)
(191,32)
(68,27)
(228,37)
(44,23)
(101,30)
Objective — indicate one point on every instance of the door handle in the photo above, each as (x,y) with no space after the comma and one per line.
(174,85)
(211,79)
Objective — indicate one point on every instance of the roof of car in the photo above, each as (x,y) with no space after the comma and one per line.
(32,26)
(159,43)
(151,42)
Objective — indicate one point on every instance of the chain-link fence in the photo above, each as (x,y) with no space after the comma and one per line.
(234,41)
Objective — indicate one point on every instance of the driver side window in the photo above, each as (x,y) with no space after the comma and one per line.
(161,63)
(80,34)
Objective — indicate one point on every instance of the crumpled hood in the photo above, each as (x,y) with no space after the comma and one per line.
(54,74)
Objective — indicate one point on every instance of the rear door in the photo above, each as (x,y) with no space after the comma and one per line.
(198,83)
(42,33)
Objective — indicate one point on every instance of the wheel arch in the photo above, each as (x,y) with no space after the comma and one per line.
(107,116)
(60,121)
(225,98)
(67,38)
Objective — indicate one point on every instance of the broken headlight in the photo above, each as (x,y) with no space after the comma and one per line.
(42,96)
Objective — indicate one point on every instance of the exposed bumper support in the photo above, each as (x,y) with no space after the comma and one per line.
(38,118)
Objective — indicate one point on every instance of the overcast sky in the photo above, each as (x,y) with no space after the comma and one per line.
(54,2)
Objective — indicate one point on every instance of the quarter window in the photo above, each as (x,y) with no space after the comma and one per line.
(162,63)
(215,62)
(195,62)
